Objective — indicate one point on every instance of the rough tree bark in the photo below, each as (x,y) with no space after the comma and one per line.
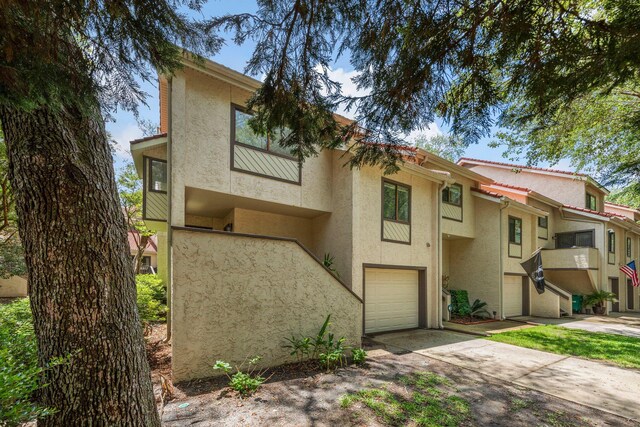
(81,283)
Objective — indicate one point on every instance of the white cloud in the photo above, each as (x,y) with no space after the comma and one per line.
(122,135)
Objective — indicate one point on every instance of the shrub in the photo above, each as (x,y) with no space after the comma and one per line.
(19,371)
(359,356)
(245,383)
(152,298)
(460,303)
(478,309)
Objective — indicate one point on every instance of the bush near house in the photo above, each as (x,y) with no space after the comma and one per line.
(460,303)
(19,371)
(152,298)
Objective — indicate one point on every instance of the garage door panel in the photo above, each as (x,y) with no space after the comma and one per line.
(391,300)
(512,296)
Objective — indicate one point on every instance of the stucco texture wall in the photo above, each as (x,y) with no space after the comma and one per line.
(474,264)
(14,286)
(367,239)
(201,145)
(564,189)
(529,239)
(466,228)
(546,304)
(236,296)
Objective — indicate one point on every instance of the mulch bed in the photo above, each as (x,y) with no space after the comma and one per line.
(466,321)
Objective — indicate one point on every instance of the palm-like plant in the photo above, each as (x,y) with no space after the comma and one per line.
(478,309)
(597,299)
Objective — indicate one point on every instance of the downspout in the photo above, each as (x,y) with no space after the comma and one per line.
(169,200)
(441,187)
(505,204)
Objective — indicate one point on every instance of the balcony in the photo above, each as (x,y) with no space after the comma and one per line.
(577,258)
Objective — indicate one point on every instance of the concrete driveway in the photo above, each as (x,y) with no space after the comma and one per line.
(594,384)
(616,323)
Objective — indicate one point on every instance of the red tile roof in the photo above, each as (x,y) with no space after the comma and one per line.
(621,206)
(487,193)
(605,214)
(514,187)
(491,162)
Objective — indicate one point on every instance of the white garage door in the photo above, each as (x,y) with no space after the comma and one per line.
(391,300)
(512,296)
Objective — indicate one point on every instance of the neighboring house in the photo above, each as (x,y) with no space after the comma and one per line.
(150,255)
(587,242)
(13,287)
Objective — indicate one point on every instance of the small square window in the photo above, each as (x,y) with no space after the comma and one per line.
(452,195)
(543,222)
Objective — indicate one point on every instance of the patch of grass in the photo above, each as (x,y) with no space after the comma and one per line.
(618,349)
(519,404)
(429,403)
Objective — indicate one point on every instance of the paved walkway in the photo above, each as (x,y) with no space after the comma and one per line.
(594,384)
(486,329)
(616,323)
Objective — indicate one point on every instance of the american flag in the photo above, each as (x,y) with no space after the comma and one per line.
(630,271)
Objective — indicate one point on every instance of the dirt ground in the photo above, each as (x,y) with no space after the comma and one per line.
(299,395)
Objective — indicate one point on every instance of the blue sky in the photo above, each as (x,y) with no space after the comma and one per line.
(124,128)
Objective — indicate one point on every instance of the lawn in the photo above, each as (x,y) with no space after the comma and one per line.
(618,349)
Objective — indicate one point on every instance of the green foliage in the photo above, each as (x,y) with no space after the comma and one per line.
(19,371)
(245,383)
(324,347)
(619,349)
(629,195)
(328,262)
(466,62)
(445,146)
(152,297)
(598,298)
(460,302)
(478,309)
(431,402)
(359,356)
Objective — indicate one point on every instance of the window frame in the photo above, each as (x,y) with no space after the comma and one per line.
(382,217)
(546,218)
(509,230)
(397,184)
(574,233)
(447,190)
(148,173)
(234,141)
(611,241)
(629,247)
(588,197)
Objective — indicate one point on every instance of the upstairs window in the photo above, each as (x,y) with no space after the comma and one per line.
(592,202)
(611,242)
(543,222)
(452,195)
(515,230)
(580,239)
(628,247)
(244,135)
(157,176)
(396,204)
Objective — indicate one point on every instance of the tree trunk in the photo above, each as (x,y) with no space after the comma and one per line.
(81,284)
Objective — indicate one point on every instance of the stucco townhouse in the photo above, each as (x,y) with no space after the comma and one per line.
(244,230)
(584,240)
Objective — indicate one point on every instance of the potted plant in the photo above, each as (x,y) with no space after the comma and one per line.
(598,300)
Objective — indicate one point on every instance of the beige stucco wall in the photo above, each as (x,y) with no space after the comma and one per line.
(564,189)
(475,263)
(269,224)
(333,232)
(368,247)
(466,228)
(236,296)
(163,256)
(529,239)
(14,286)
(549,242)
(201,111)
(546,304)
